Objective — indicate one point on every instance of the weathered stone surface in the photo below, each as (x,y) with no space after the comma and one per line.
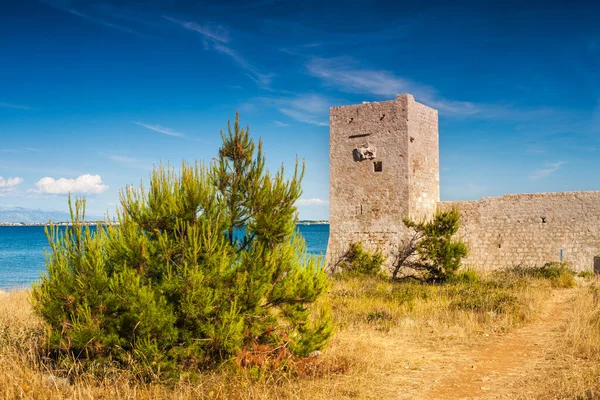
(364,152)
(531,229)
(369,206)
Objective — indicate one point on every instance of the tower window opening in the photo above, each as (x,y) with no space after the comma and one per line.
(377,166)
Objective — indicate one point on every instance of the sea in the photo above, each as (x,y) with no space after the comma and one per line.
(22,259)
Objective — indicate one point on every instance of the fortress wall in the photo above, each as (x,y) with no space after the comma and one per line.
(530,229)
(366,205)
(423,163)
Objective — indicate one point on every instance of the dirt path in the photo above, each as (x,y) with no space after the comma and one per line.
(494,366)
(499,366)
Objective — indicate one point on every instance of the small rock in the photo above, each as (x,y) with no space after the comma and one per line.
(315,353)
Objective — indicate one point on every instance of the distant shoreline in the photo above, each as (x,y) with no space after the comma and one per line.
(92,223)
(88,223)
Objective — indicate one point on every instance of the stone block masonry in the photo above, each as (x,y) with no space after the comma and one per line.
(384,167)
(530,229)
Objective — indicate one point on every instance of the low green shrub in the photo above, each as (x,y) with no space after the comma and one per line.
(586,274)
(546,271)
(564,280)
(559,274)
(410,291)
(466,276)
(378,315)
(482,298)
(357,260)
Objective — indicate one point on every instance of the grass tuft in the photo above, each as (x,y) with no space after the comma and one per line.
(559,274)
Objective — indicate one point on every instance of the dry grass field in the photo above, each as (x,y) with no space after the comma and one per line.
(503,335)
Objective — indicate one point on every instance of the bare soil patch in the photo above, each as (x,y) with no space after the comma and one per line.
(499,366)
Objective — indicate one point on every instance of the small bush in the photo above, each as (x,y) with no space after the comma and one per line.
(467,276)
(410,292)
(586,274)
(559,274)
(483,299)
(360,261)
(432,251)
(378,315)
(565,280)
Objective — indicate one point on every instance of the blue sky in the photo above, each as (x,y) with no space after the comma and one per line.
(93,93)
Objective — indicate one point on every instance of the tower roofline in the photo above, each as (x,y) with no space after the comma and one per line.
(402,96)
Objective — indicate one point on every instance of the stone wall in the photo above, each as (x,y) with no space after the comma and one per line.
(530,229)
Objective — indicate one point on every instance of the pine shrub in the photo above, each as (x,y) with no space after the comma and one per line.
(357,260)
(432,251)
(204,266)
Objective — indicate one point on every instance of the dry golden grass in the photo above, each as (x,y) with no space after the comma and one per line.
(387,335)
(575,362)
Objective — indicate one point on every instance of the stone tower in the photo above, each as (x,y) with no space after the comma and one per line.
(384,167)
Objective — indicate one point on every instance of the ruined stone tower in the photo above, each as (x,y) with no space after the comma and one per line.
(384,167)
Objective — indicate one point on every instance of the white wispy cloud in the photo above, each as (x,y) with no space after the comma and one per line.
(10,182)
(300,116)
(218,38)
(66,6)
(160,129)
(346,75)
(217,33)
(84,184)
(548,170)
(279,123)
(104,22)
(261,79)
(312,202)
(33,149)
(307,108)
(15,106)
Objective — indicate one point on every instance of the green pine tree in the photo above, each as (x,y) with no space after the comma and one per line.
(431,250)
(203,266)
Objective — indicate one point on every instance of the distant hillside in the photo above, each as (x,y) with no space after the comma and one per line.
(31,216)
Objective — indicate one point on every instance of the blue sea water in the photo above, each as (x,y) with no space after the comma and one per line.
(22,251)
